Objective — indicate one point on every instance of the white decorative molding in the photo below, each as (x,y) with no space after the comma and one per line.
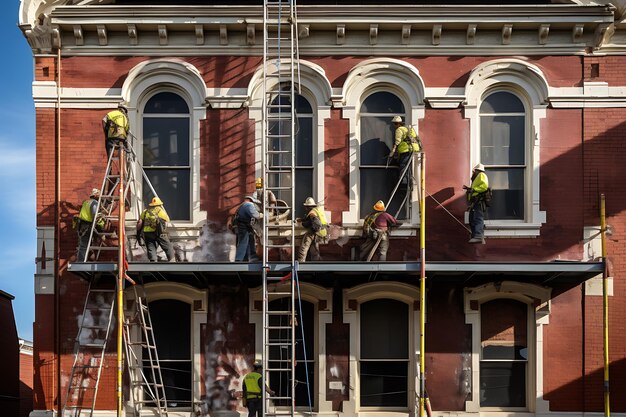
(406,34)
(507,30)
(200,35)
(603,34)
(102,35)
(251,34)
(162,31)
(470,36)
(436,34)
(544,31)
(223,35)
(373,34)
(378,74)
(78,35)
(538,300)
(303,31)
(577,33)
(341,34)
(133,37)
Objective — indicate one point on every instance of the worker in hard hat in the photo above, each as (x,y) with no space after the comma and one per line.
(152,224)
(267,198)
(476,196)
(376,232)
(316,231)
(116,127)
(83,222)
(406,144)
(252,394)
(246,217)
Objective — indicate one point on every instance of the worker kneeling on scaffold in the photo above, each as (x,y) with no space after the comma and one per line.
(376,232)
(316,231)
(152,229)
(252,395)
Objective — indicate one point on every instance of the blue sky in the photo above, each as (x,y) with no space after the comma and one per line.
(17,172)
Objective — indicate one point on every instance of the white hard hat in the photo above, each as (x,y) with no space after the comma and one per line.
(95,192)
(253,199)
(309,202)
(396,119)
(479,167)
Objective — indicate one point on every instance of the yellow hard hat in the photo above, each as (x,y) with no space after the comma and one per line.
(156,201)
(379,206)
(259,182)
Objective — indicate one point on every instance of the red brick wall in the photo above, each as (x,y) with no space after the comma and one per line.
(609,69)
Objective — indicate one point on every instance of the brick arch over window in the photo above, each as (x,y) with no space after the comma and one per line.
(170,75)
(537,300)
(528,83)
(370,76)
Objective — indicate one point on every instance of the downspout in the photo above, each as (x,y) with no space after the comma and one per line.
(57,233)
(422,281)
(605,308)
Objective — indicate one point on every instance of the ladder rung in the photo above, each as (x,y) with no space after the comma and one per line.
(98,290)
(80,387)
(95,327)
(277,246)
(104,247)
(279,293)
(92,345)
(97,307)
(278,328)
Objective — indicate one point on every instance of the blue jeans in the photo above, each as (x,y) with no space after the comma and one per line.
(477,220)
(246,245)
(403,160)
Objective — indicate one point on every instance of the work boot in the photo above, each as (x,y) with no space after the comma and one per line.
(476,240)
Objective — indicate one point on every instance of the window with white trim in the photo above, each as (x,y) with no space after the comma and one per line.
(384,354)
(378,175)
(503,353)
(503,151)
(166,152)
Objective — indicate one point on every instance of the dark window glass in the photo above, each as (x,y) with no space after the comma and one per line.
(384,353)
(504,353)
(503,152)
(166,103)
(166,153)
(171,321)
(280,357)
(378,175)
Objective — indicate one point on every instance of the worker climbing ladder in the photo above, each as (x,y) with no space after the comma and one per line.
(280,72)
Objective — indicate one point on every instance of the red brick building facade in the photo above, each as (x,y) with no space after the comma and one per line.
(534,91)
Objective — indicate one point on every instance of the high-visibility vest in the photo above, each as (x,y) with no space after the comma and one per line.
(480,184)
(323,232)
(85,211)
(118,125)
(251,382)
(408,140)
(152,216)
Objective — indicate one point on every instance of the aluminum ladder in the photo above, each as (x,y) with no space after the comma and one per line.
(280,73)
(407,172)
(89,350)
(146,381)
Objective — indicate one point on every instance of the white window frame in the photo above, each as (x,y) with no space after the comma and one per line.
(197,299)
(529,84)
(537,298)
(314,294)
(397,291)
(373,75)
(184,79)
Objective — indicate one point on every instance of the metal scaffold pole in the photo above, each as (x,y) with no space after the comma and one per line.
(605,308)
(422,280)
(121,273)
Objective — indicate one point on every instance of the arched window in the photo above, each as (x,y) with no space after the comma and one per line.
(171,321)
(304,150)
(503,152)
(378,176)
(503,353)
(384,353)
(279,381)
(166,153)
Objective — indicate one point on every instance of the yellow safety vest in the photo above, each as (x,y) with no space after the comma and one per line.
(479,184)
(151,216)
(323,232)
(406,139)
(118,126)
(85,211)
(251,382)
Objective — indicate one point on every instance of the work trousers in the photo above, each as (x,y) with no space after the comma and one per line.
(83,240)
(403,160)
(255,407)
(477,219)
(153,241)
(111,142)
(383,246)
(246,245)
(310,240)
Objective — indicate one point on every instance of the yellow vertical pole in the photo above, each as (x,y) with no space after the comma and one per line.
(121,273)
(605,308)
(422,280)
